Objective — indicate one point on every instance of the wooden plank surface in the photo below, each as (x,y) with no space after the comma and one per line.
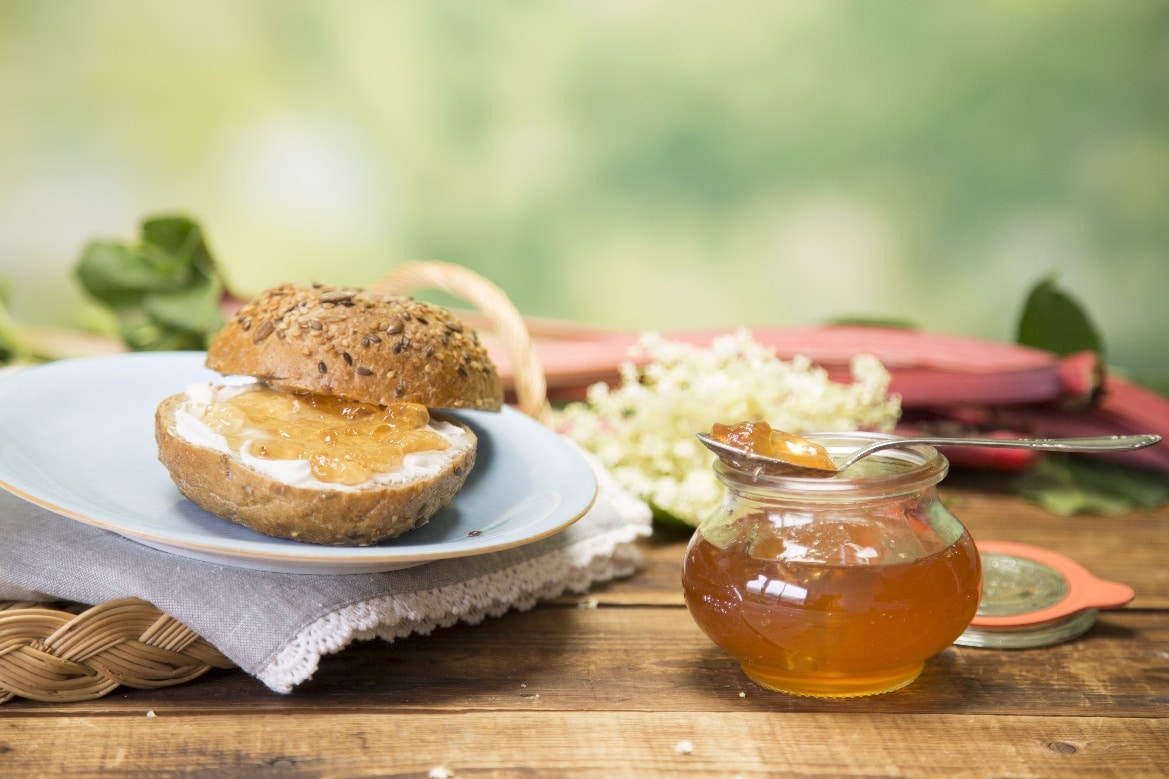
(612,659)
(620,682)
(567,744)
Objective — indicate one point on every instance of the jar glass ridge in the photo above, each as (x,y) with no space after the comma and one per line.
(834,585)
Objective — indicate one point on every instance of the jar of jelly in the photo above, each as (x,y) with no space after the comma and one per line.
(834,585)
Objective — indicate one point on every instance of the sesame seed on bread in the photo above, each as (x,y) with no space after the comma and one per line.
(354,344)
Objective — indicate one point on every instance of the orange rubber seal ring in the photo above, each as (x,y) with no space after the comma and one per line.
(1085,591)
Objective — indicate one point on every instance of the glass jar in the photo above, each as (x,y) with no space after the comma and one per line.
(838,585)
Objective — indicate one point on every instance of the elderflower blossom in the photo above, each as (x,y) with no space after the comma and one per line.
(643,431)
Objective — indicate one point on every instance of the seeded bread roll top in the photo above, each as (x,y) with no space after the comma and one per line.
(353,344)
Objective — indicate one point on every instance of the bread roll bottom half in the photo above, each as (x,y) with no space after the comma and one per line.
(227,484)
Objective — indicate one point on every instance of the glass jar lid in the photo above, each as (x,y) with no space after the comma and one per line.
(1035,597)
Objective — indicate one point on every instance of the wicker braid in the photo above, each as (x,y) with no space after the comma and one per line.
(67,652)
(56,655)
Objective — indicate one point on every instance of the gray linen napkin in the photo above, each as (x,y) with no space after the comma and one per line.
(277,626)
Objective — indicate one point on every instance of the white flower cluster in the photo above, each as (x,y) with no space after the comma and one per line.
(644,430)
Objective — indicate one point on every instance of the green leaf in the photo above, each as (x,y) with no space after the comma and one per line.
(1054,321)
(174,234)
(181,239)
(170,339)
(165,290)
(120,275)
(1068,485)
(142,333)
(136,329)
(194,308)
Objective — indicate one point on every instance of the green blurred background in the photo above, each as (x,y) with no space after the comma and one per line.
(642,164)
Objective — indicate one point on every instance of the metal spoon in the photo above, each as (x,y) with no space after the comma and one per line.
(1116,443)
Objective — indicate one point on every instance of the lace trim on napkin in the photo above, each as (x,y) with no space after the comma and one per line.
(573,568)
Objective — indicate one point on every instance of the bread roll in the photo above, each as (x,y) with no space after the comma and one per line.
(341,343)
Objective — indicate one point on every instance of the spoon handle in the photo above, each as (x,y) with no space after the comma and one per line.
(1114,443)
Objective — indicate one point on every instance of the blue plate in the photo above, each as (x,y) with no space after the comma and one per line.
(78,439)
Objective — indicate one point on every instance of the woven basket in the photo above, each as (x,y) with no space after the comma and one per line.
(63,652)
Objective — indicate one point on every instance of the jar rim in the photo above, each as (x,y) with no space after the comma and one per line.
(914,467)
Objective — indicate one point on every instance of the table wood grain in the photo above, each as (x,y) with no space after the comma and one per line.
(620,683)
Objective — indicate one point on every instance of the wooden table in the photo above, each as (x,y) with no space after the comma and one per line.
(620,683)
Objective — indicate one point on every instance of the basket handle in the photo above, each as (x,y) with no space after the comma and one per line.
(531,386)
